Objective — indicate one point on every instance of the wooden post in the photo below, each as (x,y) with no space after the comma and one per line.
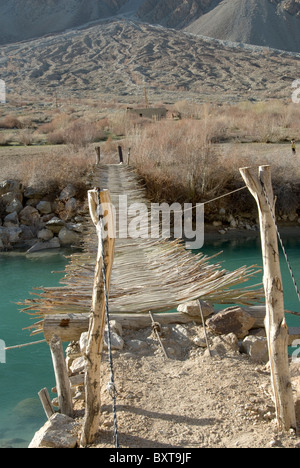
(61,377)
(98,150)
(97,318)
(120,154)
(260,183)
(46,402)
(128,156)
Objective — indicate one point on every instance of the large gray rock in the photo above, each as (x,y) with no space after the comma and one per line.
(68,237)
(11,220)
(14,206)
(13,234)
(55,225)
(233,320)
(29,216)
(44,207)
(45,234)
(59,432)
(256,347)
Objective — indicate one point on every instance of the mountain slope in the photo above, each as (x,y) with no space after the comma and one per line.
(174,13)
(118,57)
(25,19)
(258,22)
(272,23)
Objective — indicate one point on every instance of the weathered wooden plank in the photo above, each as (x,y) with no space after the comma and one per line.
(46,402)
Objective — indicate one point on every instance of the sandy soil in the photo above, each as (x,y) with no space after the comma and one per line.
(189,401)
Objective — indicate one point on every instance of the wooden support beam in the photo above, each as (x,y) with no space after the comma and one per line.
(61,377)
(97,317)
(260,185)
(70,326)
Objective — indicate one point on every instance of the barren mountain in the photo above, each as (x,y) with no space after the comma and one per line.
(25,19)
(273,23)
(260,22)
(174,13)
(119,57)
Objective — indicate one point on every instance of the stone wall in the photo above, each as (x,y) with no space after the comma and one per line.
(33,220)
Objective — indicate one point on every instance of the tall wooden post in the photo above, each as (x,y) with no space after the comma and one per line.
(97,317)
(260,186)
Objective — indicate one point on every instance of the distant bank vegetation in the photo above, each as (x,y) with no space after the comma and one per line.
(179,160)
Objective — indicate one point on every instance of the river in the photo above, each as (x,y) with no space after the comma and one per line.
(28,370)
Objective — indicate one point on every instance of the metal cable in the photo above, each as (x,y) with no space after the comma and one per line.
(111,385)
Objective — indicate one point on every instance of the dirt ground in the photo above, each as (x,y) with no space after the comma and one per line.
(190,400)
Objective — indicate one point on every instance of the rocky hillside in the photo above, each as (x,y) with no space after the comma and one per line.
(117,59)
(291,6)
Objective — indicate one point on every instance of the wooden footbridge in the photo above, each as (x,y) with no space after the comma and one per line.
(148,274)
(156,276)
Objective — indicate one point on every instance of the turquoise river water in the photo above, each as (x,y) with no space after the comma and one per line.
(28,370)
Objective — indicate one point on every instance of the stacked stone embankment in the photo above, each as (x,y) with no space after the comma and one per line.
(32,219)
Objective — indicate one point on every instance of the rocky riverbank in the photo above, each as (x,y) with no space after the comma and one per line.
(213,391)
(32,219)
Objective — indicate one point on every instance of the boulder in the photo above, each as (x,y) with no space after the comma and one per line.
(232,320)
(27,232)
(8,197)
(59,432)
(34,193)
(55,225)
(11,219)
(256,347)
(78,365)
(117,343)
(68,237)
(225,345)
(44,207)
(51,244)
(77,227)
(68,192)
(14,206)
(10,186)
(71,206)
(29,216)
(13,234)
(192,308)
(180,335)
(45,235)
